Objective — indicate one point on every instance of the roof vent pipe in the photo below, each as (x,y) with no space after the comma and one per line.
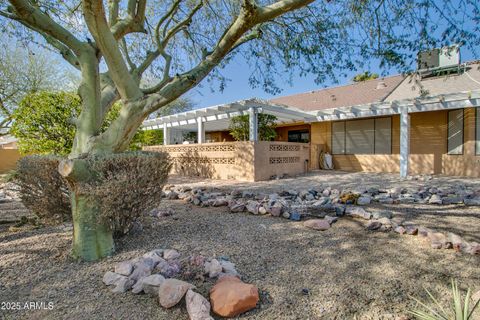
(381,85)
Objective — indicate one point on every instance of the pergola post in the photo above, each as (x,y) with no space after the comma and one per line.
(253,123)
(166,134)
(201,130)
(404,141)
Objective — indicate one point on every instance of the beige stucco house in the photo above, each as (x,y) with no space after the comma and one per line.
(9,154)
(424,123)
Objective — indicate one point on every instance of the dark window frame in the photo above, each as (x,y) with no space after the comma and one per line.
(299,132)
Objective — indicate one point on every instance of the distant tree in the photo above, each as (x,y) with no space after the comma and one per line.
(240,129)
(44,124)
(23,72)
(364,76)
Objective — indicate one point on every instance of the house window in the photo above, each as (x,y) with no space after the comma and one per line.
(299,136)
(365,136)
(455,132)
(477,131)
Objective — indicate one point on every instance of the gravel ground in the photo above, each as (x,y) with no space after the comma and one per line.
(350,273)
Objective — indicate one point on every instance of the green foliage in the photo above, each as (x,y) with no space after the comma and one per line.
(43,122)
(458,309)
(240,129)
(365,76)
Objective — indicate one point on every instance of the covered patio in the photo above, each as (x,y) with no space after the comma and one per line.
(251,160)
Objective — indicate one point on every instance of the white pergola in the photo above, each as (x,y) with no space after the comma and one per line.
(217,118)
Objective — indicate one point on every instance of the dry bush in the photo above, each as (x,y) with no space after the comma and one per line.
(127,184)
(42,189)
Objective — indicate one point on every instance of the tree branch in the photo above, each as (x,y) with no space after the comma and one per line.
(96,22)
(39,21)
(278,8)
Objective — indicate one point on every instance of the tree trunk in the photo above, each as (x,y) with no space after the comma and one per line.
(92,237)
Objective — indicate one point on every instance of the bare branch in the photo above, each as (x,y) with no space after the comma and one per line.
(94,13)
(39,21)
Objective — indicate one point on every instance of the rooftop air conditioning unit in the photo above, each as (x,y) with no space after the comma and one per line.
(438,58)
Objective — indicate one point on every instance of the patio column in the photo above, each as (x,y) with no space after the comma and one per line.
(404,141)
(166,134)
(201,130)
(253,123)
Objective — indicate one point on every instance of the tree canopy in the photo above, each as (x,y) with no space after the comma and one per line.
(240,127)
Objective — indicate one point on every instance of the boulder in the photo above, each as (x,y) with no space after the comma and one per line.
(357,212)
(262,210)
(400,230)
(230,297)
(364,200)
(142,270)
(424,232)
(125,268)
(237,207)
(382,214)
(317,224)
(437,240)
(151,284)
(411,230)
(213,268)
(331,219)
(171,291)
(110,278)
(472,201)
(455,240)
(122,285)
(252,206)
(228,268)
(435,199)
(275,210)
(286,215)
(198,307)
(168,268)
(373,225)
(171,254)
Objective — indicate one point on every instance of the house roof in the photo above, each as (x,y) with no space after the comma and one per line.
(358,93)
(466,80)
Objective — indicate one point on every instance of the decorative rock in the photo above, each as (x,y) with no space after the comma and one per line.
(339,211)
(213,268)
(386,201)
(472,201)
(382,214)
(252,206)
(364,200)
(171,254)
(317,224)
(110,278)
(124,268)
(330,219)
(373,225)
(358,212)
(455,240)
(237,207)
(123,285)
(437,240)
(168,269)
(424,232)
(400,230)
(262,210)
(295,216)
(171,291)
(275,210)
(228,268)
(142,270)
(411,230)
(152,283)
(230,297)
(435,199)
(198,307)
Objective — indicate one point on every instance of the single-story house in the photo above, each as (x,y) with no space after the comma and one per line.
(423,123)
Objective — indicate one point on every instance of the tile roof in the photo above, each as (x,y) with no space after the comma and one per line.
(342,96)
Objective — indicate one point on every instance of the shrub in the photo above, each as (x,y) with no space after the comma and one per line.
(458,309)
(42,189)
(128,184)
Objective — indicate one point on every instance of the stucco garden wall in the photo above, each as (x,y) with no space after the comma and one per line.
(8,159)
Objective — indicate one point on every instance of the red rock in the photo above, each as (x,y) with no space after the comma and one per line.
(317,224)
(230,297)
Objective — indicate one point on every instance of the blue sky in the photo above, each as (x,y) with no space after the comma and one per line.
(238,88)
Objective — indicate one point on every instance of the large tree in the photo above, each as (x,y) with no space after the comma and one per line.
(116,43)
